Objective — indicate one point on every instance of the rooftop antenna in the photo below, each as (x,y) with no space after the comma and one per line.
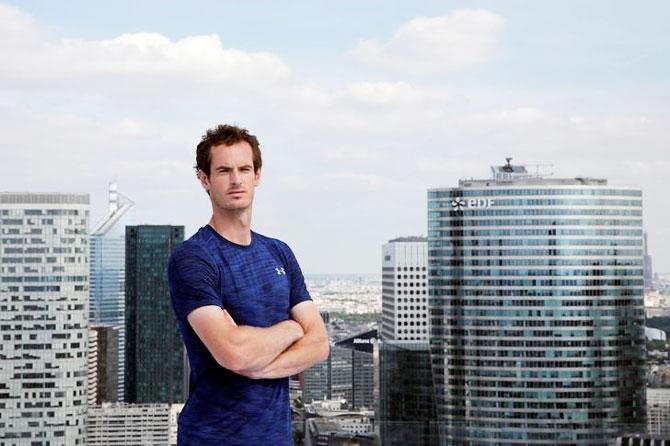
(508,167)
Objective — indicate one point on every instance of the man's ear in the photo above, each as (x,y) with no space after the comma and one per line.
(204,180)
(257,177)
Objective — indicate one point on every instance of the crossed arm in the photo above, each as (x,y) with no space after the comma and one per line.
(281,350)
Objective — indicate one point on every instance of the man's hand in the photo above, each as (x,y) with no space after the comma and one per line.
(313,347)
(241,349)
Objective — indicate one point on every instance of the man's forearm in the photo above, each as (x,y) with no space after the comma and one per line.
(307,351)
(258,347)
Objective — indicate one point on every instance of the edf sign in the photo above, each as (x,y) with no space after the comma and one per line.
(459,204)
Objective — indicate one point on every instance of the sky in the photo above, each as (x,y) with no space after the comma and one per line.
(359,106)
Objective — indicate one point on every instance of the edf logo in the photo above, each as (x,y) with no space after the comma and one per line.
(458,204)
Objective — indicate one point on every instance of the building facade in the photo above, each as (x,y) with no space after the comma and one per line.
(404,289)
(658,412)
(103,365)
(536,303)
(108,266)
(406,411)
(119,424)
(156,364)
(43,318)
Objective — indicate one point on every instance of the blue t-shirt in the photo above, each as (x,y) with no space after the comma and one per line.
(258,285)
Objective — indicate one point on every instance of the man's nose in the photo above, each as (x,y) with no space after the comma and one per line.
(235,177)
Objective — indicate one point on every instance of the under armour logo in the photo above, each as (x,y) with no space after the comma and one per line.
(280,271)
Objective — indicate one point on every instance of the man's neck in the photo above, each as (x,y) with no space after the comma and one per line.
(235,227)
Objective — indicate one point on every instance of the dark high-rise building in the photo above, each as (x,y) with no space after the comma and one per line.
(155,359)
(406,394)
(359,351)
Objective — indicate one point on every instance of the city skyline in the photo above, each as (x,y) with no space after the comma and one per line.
(358,112)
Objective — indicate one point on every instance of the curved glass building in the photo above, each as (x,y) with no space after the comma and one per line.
(536,307)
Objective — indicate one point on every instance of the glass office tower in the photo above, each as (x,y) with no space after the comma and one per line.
(156,364)
(108,275)
(536,302)
(43,318)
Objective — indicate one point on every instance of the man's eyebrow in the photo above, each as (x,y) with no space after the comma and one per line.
(226,167)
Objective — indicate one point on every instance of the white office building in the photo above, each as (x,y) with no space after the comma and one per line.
(43,318)
(122,424)
(658,412)
(404,289)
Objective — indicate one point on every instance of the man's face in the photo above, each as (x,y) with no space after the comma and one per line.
(232,180)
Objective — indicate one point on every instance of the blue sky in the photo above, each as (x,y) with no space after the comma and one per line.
(360,106)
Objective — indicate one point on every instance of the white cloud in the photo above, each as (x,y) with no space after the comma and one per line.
(31,55)
(427,45)
(393,93)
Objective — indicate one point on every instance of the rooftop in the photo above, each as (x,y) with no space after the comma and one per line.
(521,175)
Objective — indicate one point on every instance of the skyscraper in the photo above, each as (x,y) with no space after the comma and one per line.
(108,266)
(43,318)
(404,289)
(406,393)
(155,358)
(536,305)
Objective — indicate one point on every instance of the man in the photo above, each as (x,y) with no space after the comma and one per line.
(241,304)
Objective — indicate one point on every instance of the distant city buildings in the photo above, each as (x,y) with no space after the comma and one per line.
(156,364)
(345,293)
(404,289)
(536,303)
(43,318)
(330,423)
(347,374)
(107,278)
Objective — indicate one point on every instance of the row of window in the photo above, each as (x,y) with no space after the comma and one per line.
(515,222)
(594,313)
(600,332)
(535,272)
(540,344)
(521,375)
(547,364)
(479,233)
(434,204)
(562,252)
(476,212)
(440,261)
(534,282)
(437,243)
(454,193)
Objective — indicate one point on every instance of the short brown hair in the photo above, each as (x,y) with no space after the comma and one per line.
(227,135)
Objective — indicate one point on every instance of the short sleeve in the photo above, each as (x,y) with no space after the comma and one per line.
(193,280)
(299,291)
